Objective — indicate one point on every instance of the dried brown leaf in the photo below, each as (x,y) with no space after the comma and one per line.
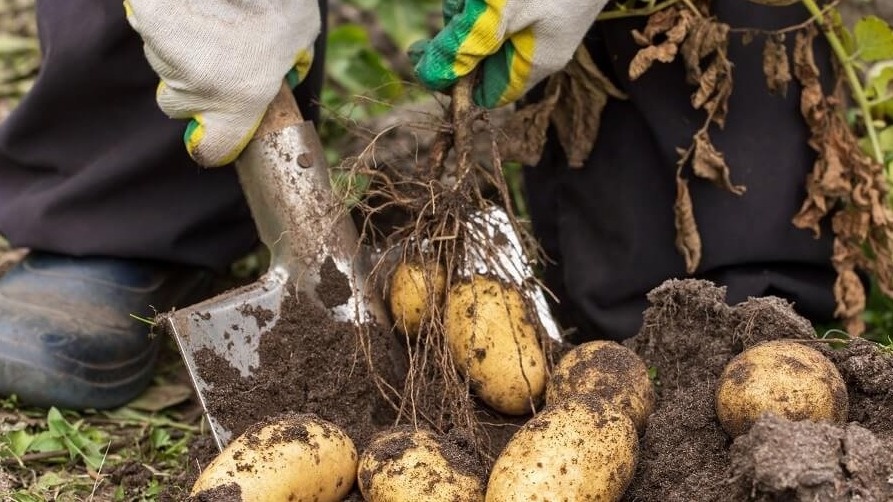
(688,239)
(706,37)
(659,22)
(709,163)
(704,52)
(573,104)
(813,209)
(673,25)
(776,66)
(850,295)
(846,181)
(577,116)
(523,135)
(852,224)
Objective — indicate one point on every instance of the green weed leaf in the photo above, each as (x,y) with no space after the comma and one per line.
(874,39)
(46,441)
(16,443)
(83,444)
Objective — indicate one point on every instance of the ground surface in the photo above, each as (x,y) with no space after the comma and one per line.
(689,336)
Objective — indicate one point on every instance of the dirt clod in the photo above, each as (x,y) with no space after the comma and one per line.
(809,461)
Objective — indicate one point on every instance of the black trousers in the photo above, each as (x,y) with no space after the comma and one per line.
(609,226)
(90,166)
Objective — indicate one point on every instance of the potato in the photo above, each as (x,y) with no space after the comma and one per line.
(580,449)
(291,457)
(494,342)
(406,465)
(786,378)
(410,294)
(606,370)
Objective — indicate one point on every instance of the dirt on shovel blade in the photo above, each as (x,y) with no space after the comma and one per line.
(310,363)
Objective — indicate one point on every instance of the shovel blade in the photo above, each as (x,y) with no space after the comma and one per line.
(228,326)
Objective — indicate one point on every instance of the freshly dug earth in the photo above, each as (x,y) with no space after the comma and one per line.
(309,363)
(689,335)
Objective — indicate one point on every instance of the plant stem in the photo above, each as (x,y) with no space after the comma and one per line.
(852,79)
(644,11)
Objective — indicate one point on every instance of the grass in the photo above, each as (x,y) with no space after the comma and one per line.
(127,454)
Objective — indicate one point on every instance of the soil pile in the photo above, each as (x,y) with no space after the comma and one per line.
(689,335)
(311,363)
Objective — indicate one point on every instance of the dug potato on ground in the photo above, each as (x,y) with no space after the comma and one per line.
(296,457)
(788,379)
(574,450)
(413,291)
(605,370)
(408,465)
(493,340)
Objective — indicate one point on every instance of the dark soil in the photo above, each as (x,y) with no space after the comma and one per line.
(202,451)
(309,363)
(689,335)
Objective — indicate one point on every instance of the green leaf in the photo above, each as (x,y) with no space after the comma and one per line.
(159,438)
(22,496)
(50,480)
(874,39)
(355,66)
(16,442)
(885,136)
(879,88)
(46,441)
(85,445)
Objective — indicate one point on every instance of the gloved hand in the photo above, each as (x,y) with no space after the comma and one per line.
(222,62)
(517,43)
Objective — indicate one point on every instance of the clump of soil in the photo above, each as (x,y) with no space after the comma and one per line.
(810,462)
(868,373)
(689,334)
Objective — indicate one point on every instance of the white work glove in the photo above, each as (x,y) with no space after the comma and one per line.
(221,62)
(517,43)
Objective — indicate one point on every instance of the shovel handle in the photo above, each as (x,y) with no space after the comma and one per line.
(283,112)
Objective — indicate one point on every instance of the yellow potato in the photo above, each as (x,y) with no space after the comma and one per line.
(606,370)
(406,465)
(412,289)
(291,457)
(788,379)
(575,450)
(493,340)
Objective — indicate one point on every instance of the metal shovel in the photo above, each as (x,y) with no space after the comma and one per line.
(286,182)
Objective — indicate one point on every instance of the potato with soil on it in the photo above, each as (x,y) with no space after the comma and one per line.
(789,379)
(493,340)
(580,449)
(407,465)
(290,457)
(411,290)
(606,370)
